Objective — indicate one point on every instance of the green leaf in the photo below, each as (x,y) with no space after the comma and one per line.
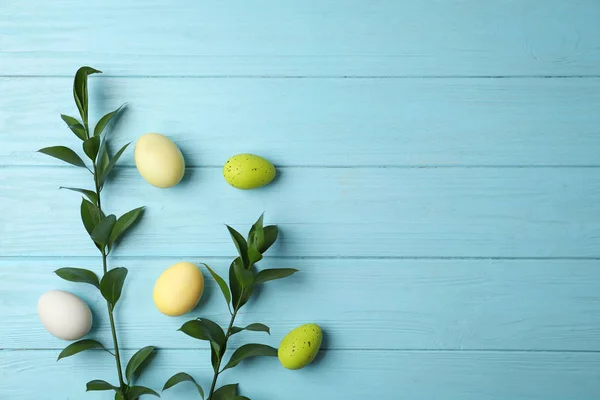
(98,384)
(78,347)
(111,164)
(235,286)
(78,275)
(123,223)
(215,356)
(256,236)
(183,377)
(88,193)
(254,255)
(246,296)
(136,391)
(119,395)
(75,126)
(204,329)
(137,360)
(226,392)
(64,154)
(91,147)
(105,121)
(103,157)
(101,232)
(271,274)
(240,244)
(239,295)
(240,398)
(216,333)
(243,276)
(195,329)
(221,283)
(80,91)
(111,285)
(250,350)
(271,233)
(90,215)
(256,327)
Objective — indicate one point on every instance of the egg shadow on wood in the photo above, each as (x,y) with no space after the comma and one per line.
(278,173)
(191,168)
(98,320)
(208,289)
(323,351)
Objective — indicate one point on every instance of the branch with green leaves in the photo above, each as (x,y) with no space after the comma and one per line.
(105,231)
(243,279)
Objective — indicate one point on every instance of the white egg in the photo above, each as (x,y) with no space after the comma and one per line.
(64,315)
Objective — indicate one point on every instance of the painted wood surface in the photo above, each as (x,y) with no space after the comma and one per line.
(324,122)
(308,38)
(380,374)
(388,304)
(322,212)
(438,188)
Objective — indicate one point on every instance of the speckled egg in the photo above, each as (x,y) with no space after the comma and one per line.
(178,289)
(299,347)
(159,160)
(64,315)
(247,171)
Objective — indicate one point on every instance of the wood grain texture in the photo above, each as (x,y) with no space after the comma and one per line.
(331,212)
(314,37)
(385,375)
(361,304)
(323,122)
(438,187)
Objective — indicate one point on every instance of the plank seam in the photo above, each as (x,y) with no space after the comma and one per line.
(221,257)
(359,166)
(259,76)
(342,349)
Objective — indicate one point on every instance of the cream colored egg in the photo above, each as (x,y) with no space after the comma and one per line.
(248,171)
(64,315)
(300,347)
(178,289)
(159,160)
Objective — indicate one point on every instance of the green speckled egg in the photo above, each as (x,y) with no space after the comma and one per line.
(299,347)
(247,171)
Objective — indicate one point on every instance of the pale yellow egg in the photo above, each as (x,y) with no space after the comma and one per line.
(159,160)
(178,289)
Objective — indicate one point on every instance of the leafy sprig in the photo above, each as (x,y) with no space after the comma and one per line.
(243,279)
(105,231)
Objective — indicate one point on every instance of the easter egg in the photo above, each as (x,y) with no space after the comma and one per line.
(178,289)
(159,160)
(299,347)
(247,171)
(64,315)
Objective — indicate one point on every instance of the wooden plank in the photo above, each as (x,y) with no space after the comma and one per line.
(368,212)
(313,37)
(323,122)
(374,304)
(383,375)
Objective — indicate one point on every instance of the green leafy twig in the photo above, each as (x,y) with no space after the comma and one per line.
(243,278)
(104,230)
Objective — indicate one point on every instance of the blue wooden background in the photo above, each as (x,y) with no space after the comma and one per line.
(439,188)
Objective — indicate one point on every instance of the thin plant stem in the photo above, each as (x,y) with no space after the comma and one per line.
(111,318)
(227,336)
